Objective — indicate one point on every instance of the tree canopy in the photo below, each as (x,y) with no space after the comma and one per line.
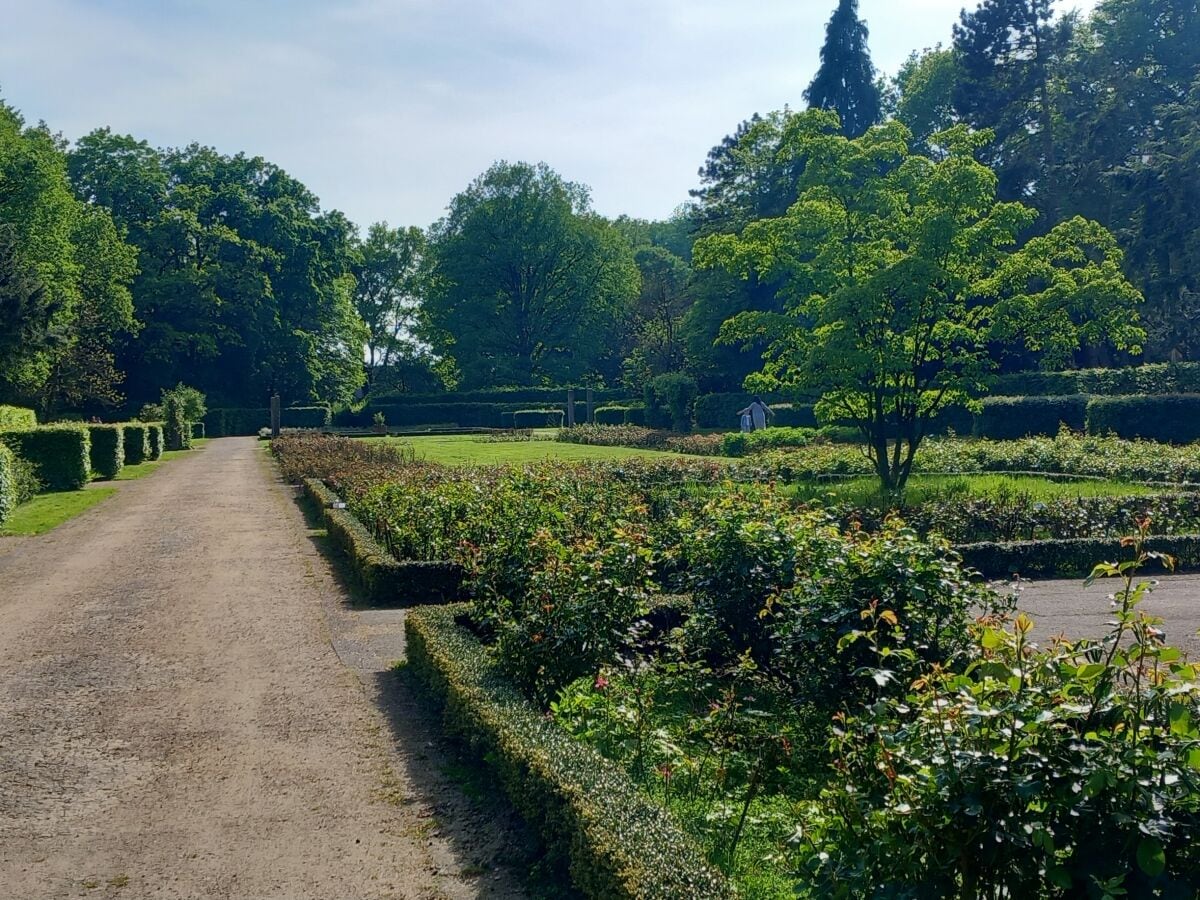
(900,274)
(528,284)
(845,81)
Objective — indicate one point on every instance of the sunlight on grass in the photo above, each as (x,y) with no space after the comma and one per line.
(923,488)
(469,450)
(47,511)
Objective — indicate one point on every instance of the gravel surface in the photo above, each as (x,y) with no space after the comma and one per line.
(175,721)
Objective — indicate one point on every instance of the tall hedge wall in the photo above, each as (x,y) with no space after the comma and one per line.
(1156,378)
(525,396)
(107,454)
(60,453)
(8,484)
(137,442)
(1171,418)
(17,417)
(1007,418)
(230,422)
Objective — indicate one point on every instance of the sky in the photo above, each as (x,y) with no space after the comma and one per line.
(387,108)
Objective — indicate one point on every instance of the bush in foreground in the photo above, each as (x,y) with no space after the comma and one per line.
(17,417)
(8,484)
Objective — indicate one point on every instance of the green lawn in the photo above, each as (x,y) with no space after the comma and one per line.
(47,511)
(469,450)
(921,488)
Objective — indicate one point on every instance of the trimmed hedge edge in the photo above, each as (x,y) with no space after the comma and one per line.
(1069,557)
(617,843)
(385,580)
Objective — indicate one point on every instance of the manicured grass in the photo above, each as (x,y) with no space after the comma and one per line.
(129,473)
(47,511)
(469,450)
(921,488)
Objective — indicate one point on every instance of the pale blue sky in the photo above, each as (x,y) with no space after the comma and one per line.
(387,108)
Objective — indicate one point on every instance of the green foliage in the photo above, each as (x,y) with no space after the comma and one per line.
(1066,557)
(738,443)
(136,441)
(390,281)
(60,453)
(1004,418)
(1156,378)
(8,484)
(107,454)
(156,440)
(190,400)
(845,82)
(558,322)
(1171,418)
(177,432)
(1052,773)
(537,418)
(901,275)
(616,842)
(16,417)
(669,401)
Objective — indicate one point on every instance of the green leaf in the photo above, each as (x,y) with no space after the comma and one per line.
(1151,857)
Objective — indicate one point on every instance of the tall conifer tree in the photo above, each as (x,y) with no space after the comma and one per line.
(845,82)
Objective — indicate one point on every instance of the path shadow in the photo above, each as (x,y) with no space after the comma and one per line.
(456,797)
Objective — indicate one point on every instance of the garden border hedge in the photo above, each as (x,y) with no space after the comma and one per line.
(8,484)
(107,450)
(156,439)
(616,842)
(386,581)
(61,454)
(137,442)
(17,417)
(1068,557)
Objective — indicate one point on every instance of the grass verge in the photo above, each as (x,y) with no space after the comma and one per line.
(47,511)
(470,450)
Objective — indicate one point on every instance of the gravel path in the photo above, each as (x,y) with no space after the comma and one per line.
(175,721)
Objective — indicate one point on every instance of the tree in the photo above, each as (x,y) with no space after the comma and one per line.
(528,284)
(901,271)
(924,90)
(26,313)
(845,81)
(390,278)
(1009,52)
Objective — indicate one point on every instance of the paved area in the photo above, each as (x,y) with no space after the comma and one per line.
(1067,607)
(175,720)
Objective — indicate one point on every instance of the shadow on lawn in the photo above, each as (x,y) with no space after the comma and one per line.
(455,795)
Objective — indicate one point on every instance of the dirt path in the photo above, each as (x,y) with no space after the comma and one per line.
(175,723)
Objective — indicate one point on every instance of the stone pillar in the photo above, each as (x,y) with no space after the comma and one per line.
(591,408)
(275,415)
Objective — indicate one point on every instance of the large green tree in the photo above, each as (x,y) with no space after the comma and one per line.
(529,285)
(245,284)
(390,278)
(845,81)
(901,272)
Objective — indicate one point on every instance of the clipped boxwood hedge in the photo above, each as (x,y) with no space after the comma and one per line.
(385,580)
(17,417)
(1170,418)
(1008,418)
(615,840)
(155,439)
(60,453)
(8,484)
(1154,378)
(137,442)
(107,450)
(1067,557)
(538,418)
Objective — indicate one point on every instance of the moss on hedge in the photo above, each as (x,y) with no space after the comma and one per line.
(616,842)
(60,453)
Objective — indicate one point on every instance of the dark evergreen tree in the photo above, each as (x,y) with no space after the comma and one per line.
(845,82)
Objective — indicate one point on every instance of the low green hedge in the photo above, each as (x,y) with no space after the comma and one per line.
(155,439)
(385,580)
(107,450)
(1068,557)
(60,453)
(1170,418)
(17,417)
(1008,418)
(538,418)
(136,437)
(8,484)
(234,422)
(616,842)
